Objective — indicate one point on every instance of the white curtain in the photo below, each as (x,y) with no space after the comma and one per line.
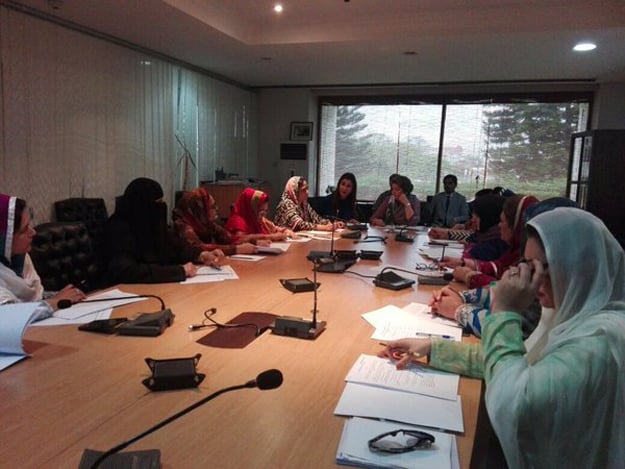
(82,117)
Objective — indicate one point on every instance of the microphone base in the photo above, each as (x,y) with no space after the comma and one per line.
(297,327)
(144,459)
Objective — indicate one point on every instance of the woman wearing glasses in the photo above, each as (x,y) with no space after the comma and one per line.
(559,402)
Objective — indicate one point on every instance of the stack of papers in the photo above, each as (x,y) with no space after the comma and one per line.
(403,396)
(414,320)
(207,274)
(354,451)
(14,318)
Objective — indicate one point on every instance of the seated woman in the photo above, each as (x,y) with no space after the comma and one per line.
(137,245)
(539,395)
(470,307)
(400,208)
(249,219)
(295,213)
(485,244)
(19,281)
(342,202)
(475,273)
(195,225)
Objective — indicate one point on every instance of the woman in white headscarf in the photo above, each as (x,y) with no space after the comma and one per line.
(295,213)
(561,404)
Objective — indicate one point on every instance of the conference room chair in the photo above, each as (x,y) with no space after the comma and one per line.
(62,253)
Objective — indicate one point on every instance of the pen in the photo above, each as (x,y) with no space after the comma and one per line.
(215,266)
(437,336)
(237,256)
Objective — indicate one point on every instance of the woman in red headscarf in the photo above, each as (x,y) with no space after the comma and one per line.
(249,218)
(195,224)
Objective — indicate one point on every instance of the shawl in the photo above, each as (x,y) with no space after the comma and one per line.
(192,219)
(563,404)
(18,278)
(245,214)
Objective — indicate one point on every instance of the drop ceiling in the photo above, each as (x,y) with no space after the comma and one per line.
(366,42)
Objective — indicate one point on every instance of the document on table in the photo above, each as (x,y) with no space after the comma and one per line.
(362,400)
(392,323)
(436,252)
(86,312)
(381,372)
(208,274)
(353,447)
(14,319)
(241,257)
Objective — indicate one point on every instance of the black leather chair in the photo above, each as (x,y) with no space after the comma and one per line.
(91,211)
(62,254)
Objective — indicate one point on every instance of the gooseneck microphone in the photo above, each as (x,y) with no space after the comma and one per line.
(66,303)
(269,379)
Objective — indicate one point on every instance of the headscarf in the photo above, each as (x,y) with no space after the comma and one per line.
(8,224)
(139,207)
(192,210)
(586,266)
(245,213)
(18,278)
(291,189)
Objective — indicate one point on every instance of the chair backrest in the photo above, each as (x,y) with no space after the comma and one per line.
(91,211)
(62,254)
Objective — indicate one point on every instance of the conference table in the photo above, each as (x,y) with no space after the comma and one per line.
(83,390)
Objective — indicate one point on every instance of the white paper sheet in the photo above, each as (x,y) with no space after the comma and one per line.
(370,401)
(381,372)
(14,319)
(241,257)
(208,274)
(392,323)
(79,310)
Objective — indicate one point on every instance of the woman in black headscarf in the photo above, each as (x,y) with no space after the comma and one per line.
(138,247)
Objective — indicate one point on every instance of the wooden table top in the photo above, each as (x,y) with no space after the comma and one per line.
(82,390)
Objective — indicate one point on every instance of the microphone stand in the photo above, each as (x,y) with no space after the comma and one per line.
(269,379)
(300,327)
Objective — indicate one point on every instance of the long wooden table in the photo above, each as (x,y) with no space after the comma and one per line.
(83,390)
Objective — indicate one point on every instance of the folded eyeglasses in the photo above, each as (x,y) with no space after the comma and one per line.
(401,441)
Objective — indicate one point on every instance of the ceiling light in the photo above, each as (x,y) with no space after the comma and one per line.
(584,46)
(277,8)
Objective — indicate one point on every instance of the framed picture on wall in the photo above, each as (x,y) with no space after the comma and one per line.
(301,130)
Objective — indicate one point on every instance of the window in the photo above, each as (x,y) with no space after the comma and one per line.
(521,145)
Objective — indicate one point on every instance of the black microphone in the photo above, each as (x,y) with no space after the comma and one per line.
(269,379)
(403,238)
(66,303)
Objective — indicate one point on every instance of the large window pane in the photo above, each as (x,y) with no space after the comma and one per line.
(520,146)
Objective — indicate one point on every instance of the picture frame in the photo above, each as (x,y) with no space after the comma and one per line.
(301,131)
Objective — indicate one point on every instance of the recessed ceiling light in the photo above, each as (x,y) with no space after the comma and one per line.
(584,46)
(277,8)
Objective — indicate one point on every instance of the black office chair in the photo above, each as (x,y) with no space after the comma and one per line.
(62,254)
(91,211)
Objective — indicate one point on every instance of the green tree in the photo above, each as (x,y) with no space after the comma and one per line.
(529,142)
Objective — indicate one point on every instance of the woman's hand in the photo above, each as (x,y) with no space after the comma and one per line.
(518,287)
(214,257)
(190,269)
(263,242)
(404,351)
(445,302)
(377,222)
(69,292)
(338,225)
(280,236)
(460,273)
(451,262)
(245,248)
(438,233)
